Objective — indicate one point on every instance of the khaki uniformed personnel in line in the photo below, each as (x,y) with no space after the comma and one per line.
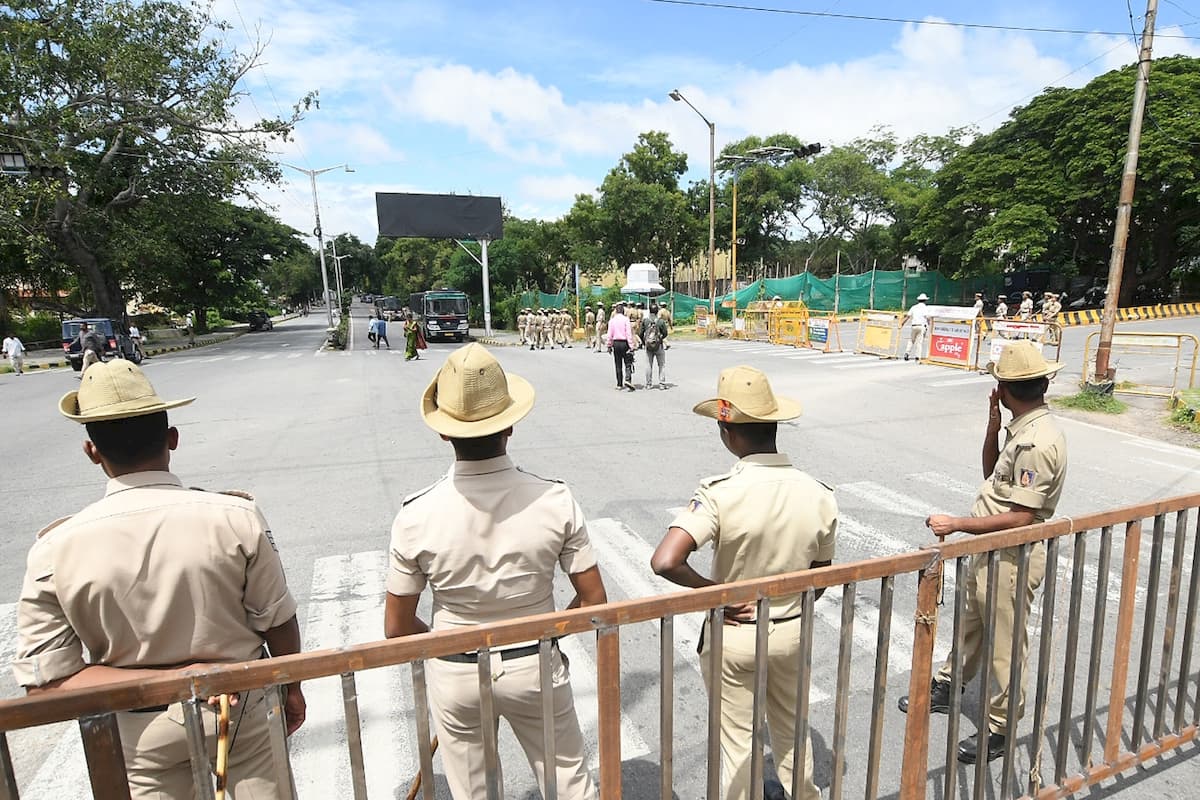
(155,577)
(521,323)
(539,328)
(1050,311)
(486,538)
(1022,484)
(764,517)
(589,327)
(601,327)
(531,328)
(1025,311)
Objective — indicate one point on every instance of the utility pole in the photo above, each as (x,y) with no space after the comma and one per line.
(1116,265)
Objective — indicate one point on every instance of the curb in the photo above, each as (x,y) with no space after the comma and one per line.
(150,351)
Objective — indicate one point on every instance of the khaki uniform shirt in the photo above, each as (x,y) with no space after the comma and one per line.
(152,575)
(764,517)
(590,320)
(1030,471)
(486,538)
(1051,310)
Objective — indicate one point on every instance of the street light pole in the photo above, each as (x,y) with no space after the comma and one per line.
(677,96)
(312,177)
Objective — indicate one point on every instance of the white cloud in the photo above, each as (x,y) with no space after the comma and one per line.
(555,187)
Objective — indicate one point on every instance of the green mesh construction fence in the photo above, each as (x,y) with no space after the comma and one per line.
(888,290)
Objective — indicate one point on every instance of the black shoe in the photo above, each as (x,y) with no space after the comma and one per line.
(906,356)
(939,699)
(773,790)
(968,749)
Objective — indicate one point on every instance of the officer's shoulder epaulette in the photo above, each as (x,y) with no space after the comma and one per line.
(421,492)
(712,480)
(241,494)
(539,477)
(51,526)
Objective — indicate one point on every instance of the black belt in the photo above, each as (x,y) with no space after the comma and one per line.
(505,655)
(776,619)
(149,710)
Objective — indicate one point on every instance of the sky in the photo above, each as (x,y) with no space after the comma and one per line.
(536,100)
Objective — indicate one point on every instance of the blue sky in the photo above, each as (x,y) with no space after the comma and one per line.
(536,100)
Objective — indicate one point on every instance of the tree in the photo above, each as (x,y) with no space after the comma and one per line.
(132,99)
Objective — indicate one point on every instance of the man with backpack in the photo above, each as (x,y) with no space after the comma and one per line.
(654,341)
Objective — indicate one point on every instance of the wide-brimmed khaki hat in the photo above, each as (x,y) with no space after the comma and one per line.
(472,396)
(1022,361)
(113,390)
(744,395)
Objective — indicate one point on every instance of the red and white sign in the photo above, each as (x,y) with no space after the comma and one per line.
(950,342)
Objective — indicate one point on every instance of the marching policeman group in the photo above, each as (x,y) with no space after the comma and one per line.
(155,576)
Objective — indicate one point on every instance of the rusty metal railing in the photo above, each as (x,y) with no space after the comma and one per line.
(1165,705)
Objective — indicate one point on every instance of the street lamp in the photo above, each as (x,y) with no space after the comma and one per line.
(677,96)
(312,177)
(337,270)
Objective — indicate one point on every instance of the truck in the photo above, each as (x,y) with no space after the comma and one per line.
(442,312)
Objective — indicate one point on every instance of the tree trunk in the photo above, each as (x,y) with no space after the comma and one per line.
(110,301)
(201,320)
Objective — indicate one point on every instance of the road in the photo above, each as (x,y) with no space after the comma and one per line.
(330,443)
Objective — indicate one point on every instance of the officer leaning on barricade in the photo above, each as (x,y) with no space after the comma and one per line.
(764,517)
(151,578)
(486,538)
(1022,484)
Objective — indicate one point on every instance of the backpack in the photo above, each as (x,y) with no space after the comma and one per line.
(652,333)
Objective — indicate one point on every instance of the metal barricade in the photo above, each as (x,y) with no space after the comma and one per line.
(823,333)
(1067,748)
(1004,332)
(754,323)
(879,333)
(789,325)
(1155,345)
(952,343)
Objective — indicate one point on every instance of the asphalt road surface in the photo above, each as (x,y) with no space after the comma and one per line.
(330,443)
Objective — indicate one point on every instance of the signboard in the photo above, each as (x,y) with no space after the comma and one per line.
(739,324)
(818,331)
(878,331)
(1004,333)
(950,342)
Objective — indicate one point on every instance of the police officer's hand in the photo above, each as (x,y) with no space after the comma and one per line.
(940,524)
(740,613)
(994,418)
(294,708)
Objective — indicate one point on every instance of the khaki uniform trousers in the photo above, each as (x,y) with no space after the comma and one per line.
(916,338)
(737,706)
(158,764)
(517,697)
(974,626)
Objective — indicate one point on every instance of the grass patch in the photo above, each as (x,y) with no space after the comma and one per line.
(1125,385)
(1090,401)
(5,369)
(1185,419)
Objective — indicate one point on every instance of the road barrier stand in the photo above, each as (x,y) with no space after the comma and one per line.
(1004,332)
(952,343)
(789,324)
(879,333)
(754,324)
(823,333)
(1179,348)
(702,318)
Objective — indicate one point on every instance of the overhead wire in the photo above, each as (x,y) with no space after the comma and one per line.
(1136,39)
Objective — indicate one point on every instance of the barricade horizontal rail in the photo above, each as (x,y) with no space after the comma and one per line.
(1165,712)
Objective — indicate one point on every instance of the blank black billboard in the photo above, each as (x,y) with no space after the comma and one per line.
(438,216)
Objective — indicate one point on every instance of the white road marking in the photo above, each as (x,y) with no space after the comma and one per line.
(587,704)
(806,356)
(296,355)
(888,499)
(1164,447)
(63,775)
(877,363)
(293,355)
(943,481)
(241,358)
(1188,468)
(964,381)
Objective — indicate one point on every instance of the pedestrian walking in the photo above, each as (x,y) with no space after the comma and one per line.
(919,316)
(763,517)
(619,338)
(14,350)
(1023,480)
(381,334)
(373,330)
(115,593)
(485,538)
(91,345)
(135,338)
(189,324)
(412,335)
(654,342)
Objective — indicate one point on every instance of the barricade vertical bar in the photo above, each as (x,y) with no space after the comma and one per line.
(1045,655)
(358,767)
(874,748)
(608,695)
(1120,670)
(841,708)
(277,731)
(1016,669)
(1097,647)
(915,769)
(762,615)
(666,709)
(1189,630)
(193,725)
(1143,683)
(983,722)
(714,630)
(956,676)
(1065,715)
(105,761)
(487,713)
(800,745)
(549,744)
(8,776)
(424,742)
(1172,618)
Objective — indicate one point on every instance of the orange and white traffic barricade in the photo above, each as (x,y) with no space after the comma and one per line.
(952,343)
(879,333)
(823,332)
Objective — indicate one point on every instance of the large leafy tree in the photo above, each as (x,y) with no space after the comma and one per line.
(130,99)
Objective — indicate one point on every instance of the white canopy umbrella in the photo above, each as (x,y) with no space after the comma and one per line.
(642,279)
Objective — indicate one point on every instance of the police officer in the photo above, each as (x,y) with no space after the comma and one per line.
(521,317)
(1022,484)
(601,327)
(1001,306)
(486,538)
(1025,311)
(155,577)
(919,316)
(589,327)
(1050,312)
(531,328)
(738,513)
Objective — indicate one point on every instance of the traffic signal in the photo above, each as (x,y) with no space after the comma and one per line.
(804,151)
(40,171)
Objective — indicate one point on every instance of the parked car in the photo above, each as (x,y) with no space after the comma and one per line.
(260,321)
(116,344)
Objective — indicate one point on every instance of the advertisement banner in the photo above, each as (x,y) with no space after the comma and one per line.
(950,342)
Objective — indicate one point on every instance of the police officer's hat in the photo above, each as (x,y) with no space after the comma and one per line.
(472,396)
(744,395)
(114,390)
